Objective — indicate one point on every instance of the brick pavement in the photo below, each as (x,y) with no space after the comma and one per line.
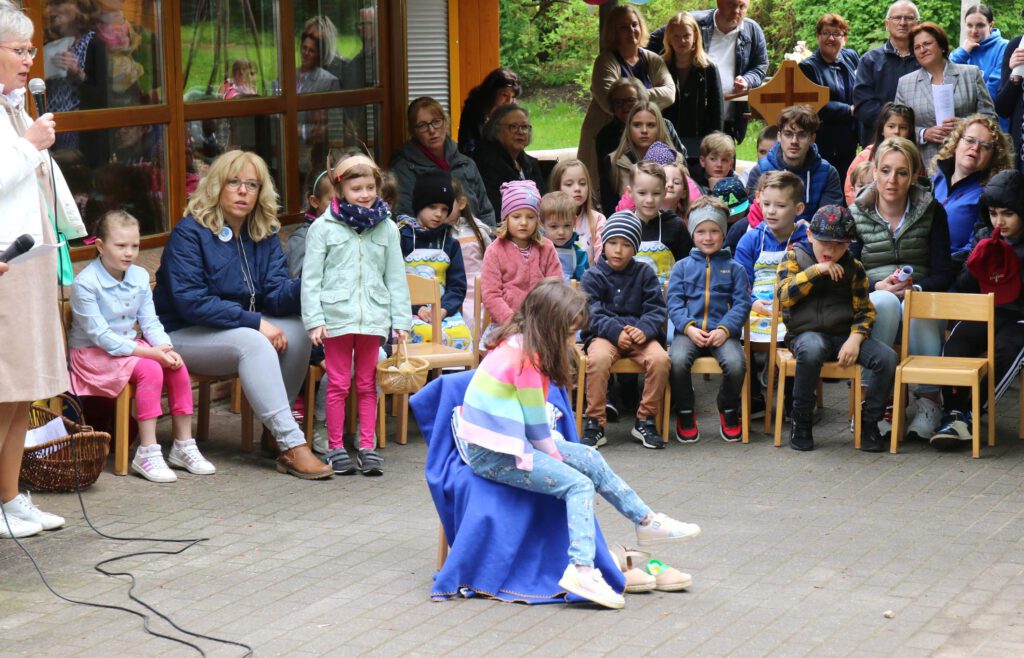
(801,555)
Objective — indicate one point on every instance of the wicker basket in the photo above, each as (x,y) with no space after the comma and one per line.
(69,463)
(401,374)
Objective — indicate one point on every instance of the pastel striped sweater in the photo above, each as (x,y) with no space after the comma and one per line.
(504,409)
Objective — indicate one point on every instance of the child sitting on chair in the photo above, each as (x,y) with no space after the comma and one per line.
(823,297)
(708,302)
(627,319)
(503,433)
(558,219)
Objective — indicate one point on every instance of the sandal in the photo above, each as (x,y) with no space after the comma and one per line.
(637,580)
(667,578)
(370,463)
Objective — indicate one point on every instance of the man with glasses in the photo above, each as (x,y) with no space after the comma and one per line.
(881,68)
(796,152)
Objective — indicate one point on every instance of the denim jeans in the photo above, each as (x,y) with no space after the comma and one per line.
(730,358)
(812,349)
(926,336)
(573,480)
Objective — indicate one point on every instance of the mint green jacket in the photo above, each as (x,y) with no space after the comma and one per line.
(354,283)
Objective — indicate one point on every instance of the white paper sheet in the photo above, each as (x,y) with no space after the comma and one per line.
(51,67)
(34,252)
(51,431)
(942,97)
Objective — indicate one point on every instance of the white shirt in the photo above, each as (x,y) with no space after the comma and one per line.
(722,51)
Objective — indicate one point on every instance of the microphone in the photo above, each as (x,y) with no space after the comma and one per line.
(37,87)
(17,248)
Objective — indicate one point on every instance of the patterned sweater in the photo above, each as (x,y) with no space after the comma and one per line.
(505,406)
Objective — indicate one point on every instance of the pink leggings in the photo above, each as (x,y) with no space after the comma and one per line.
(338,362)
(149,377)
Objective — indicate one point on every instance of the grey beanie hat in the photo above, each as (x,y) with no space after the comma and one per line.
(707,214)
(623,224)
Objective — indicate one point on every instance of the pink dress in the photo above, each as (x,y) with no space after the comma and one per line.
(94,372)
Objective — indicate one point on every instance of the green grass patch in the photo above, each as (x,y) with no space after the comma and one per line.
(556,125)
(748,149)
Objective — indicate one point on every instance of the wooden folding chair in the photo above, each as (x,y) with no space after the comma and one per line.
(423,290)
(947,370)
(785,361)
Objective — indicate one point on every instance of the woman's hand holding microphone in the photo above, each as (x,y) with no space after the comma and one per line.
(43,132)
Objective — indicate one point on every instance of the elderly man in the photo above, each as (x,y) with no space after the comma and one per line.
(881,68)
(737,46)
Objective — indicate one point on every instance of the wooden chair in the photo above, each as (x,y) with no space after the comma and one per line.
(707,365)
(947,370)
(428,291)
(313,376)
(786,363)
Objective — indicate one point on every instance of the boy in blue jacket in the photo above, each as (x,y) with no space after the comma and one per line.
(558,219)
(708,302)
(627,319)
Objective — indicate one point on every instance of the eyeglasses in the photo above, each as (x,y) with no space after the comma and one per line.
(234,185)
(22,53)
(832,35)
(624,103)
(519,128)
(424,126)
(902,19)
(801,136)
(974,141)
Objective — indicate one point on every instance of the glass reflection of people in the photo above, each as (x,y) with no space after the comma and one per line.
(323,31)
(76,63)
(311,77)
(362,70)
(241,82)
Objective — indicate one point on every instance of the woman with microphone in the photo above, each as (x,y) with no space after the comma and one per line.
(32,358)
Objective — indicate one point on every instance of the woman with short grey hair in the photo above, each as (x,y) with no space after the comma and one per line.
(501,156)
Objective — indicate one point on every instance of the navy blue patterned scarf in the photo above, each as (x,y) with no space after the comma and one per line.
(358,218)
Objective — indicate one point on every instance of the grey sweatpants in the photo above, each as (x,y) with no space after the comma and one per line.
(271,380)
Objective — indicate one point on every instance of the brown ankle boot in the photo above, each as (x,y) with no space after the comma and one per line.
(303,464)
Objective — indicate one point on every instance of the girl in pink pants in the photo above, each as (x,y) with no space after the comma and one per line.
(109,297)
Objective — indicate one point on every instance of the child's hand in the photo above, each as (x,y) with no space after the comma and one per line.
(697,335)
(636,334)
(625,341)
(760,308)
(850,350)
(424,313)
(317,335)
(3,267)
(717,338)
(176,359)
(401,335)
(831,269)
(275,336)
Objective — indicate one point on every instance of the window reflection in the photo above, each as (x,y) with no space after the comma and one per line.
(336,46)
(229,49)
(207,139)
(126,169)
(336,130)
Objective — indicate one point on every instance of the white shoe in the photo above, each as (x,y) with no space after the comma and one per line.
(149,463)
(590,586)
(18,527)
(185,454)
(926,421)
(665,530)
(320,445)
(21,507)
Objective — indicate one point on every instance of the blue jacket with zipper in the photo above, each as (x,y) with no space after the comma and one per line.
(822,184)
(203,281)
(710,292)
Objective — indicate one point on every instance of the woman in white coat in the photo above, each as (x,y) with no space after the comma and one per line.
(623,55)
(32,358)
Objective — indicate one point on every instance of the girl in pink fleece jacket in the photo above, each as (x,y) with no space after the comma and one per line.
(520,257)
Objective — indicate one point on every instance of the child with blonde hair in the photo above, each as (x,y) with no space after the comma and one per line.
(558,218)
(572,177)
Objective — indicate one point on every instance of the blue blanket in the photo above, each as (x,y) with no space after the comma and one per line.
(506,543)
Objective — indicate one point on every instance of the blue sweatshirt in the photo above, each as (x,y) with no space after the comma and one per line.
(987,56)
(760,239)
(710,292)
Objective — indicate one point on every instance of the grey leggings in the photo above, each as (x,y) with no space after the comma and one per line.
(271,380)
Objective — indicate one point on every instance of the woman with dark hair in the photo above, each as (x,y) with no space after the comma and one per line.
(430,148)
(834,66)
(970,95)
(1010,97)
(500,87)
(984,48)
(894,120)
(501,156)
(698,109)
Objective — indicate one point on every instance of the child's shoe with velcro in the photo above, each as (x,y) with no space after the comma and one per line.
(369,462)
(186,455)
(590,586)
(149,463)
(645,431)
(732,428)
(664,529)
(686,427)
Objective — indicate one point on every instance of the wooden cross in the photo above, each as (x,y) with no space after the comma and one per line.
(789,86)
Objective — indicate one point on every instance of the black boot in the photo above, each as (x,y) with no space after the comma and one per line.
(800,436)
(871,438)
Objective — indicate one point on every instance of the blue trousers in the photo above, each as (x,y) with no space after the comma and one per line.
(574,480)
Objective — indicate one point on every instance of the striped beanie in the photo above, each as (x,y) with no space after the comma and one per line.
(519,194)
(623,224)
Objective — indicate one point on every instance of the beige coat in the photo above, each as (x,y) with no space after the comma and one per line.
(606,72)
(32,363)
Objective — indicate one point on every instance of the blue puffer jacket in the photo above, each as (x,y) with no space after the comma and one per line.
(822,185)
(987,56)
(710,292)
(415,236)
(200,281)
(630,297)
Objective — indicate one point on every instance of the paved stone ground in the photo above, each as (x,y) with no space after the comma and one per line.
(801,555)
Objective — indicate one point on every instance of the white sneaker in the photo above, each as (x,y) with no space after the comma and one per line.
(18,527)
(22,507)
(149,463)
(320,445)
(926,420)
(664,530)
(185,454)
(590,586)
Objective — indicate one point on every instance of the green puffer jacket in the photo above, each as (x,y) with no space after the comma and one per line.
(915,243)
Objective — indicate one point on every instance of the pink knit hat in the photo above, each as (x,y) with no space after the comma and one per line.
(519,194)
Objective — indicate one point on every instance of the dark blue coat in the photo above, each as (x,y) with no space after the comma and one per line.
(439,238)
(630,297)
(200,281)
(878,73)
(837,137)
